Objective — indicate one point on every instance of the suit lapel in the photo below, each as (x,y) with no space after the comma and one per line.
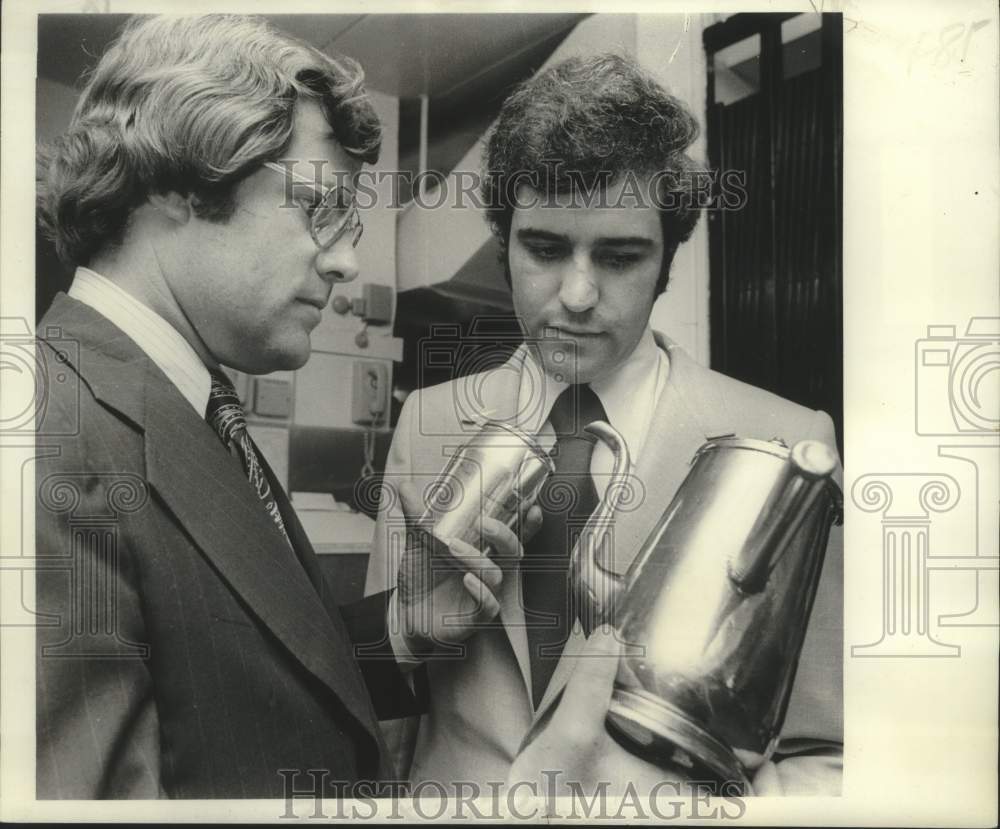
(221,513)
(512,617)
(296,534)
(687,414)
(205,489)
(107,360)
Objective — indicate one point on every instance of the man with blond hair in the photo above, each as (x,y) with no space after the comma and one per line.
(188,645)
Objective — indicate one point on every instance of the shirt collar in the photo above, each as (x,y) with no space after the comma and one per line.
(629,393)
(156,337)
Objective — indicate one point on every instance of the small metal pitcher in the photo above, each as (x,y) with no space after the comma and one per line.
(498,473)
(713,610)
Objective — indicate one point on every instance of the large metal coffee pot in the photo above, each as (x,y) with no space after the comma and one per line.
(713,610)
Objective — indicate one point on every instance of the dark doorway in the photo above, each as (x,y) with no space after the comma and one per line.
(775,113)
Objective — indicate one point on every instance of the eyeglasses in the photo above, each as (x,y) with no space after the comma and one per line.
(332,212)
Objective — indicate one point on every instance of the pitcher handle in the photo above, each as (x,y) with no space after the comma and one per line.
(598,589)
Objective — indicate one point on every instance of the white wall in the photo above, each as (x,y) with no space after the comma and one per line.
(670,48)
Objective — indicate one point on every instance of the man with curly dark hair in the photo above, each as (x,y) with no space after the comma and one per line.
(627,130)
(590,191)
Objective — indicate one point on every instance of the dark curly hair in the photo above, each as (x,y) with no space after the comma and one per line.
(192,104)
(583,124)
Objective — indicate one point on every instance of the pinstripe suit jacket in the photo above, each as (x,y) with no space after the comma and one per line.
(480,706)
(183,649)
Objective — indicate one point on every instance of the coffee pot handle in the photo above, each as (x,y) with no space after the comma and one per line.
(597,588)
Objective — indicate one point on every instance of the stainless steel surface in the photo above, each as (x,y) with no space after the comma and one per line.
(715,606)
(663,731)
(497,473)
(595,585)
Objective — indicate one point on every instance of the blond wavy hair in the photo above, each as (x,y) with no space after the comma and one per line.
(188,104)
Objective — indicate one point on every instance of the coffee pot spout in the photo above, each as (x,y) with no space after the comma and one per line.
(809,466)
(598,588)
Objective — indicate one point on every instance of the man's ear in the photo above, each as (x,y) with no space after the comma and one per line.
(173,205)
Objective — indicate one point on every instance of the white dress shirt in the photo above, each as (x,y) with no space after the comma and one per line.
(160,341)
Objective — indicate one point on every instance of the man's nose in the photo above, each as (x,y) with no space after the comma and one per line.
(339,262)
(579,291)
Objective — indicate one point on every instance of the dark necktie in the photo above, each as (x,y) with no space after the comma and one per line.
(567,499)
(224,413)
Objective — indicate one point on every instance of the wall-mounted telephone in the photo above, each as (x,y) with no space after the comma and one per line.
(370,396)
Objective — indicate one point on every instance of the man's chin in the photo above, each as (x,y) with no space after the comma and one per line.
(288,358)
(582,369)
(292,360)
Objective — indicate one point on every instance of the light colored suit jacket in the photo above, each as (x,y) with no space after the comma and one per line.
(480,704)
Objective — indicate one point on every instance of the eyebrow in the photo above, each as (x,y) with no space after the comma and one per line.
(529,234)
(624,241)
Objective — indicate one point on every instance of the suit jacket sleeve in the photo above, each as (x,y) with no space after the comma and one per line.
(395,695)
(97,722)
(392,693)
(809,756)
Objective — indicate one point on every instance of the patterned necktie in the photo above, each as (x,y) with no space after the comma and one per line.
(567,499)
(224,413)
